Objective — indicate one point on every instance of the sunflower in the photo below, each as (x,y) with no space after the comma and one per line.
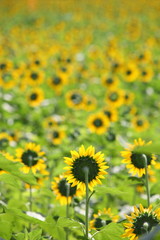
(31,157)
(34,77)
(90,103)
(5,65)
(8,79)
(36,62)
(141,221)
(128,97)
(110,81)
(57,135)
(79,161)
(117,66)
(103,218)
(50,122)
(115,98)
(134,160)
(140,123)
(35,97)
(143,56)
(64,191)
(5,139)
(57,82)
(146,74)
(98,123)
(75,99)
(130,72)
(111,113)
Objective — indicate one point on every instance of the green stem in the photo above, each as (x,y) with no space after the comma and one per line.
(30,198)
(86,170)
(146,179)
(67,207)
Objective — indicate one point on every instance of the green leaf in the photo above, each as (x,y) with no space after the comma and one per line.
(66,222)
(19,214)
(20,236)
(5,229)
(113,191)
(14,169)
(35,234)
(9,179)
(49,225)
(149,149)
(110,232)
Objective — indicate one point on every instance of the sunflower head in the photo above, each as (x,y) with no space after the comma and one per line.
(115,98)
(35,97)
(134,160)
(90,103)
(110,81)
(111,113)
(141,221)
(57,135)
(57,82)
(75,99)
(98,123)
(103,218)
(140,123)
(64,191)
(31,156)
(82,160)
(35,77)
(5,139)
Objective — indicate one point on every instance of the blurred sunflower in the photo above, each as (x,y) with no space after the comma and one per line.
(90,103)
(34,77)
(117,66)
(146,74)
(128,97)
(79,161)
(36,62)
(35,97)
(57,82)
(141,221)
(15,135)
(75,99)
(115,98)
(5,65)
(140,124)
(111,113)
(57,135)
(5,139)
(135,160)
(8,79)
(31,157)
(143,56)
(110,81)
(64,191)
(50,122)
(103,218)
(98,123)
(130,72)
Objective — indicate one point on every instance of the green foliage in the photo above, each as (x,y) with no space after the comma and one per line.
(109,232)
(14,169)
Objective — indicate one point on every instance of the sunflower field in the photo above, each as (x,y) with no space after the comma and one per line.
(79,120)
